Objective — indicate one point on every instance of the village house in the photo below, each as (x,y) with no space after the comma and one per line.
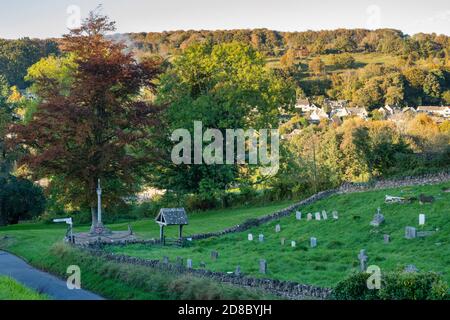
(317,115)
(305,106)
(443,111)
(358,112)
(339,112)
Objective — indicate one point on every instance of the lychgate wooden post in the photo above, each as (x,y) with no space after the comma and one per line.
(161,233)
(171,217)
(180,232)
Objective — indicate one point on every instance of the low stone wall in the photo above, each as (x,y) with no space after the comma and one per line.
(396,183)
(286,289)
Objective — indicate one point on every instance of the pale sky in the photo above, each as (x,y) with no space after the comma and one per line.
(50,18)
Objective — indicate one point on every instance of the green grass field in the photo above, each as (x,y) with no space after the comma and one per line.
(32,240)
(41,245)
(339,241)
(12,290)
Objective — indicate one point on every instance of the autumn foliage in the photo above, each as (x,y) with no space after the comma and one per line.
(98,129)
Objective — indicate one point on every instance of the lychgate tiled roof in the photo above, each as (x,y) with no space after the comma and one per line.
(172,216)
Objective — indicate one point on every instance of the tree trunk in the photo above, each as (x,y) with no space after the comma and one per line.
(94,218)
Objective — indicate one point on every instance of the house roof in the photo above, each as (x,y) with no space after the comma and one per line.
(172,216)
(357,110)
(302,102)
(431,108)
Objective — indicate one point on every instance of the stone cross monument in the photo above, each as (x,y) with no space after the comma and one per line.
(99,228)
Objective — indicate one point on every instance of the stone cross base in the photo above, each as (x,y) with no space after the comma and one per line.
(99,229)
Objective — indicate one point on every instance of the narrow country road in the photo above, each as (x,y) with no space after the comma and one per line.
(42,282)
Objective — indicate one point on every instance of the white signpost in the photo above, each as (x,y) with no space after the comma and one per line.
(69,222)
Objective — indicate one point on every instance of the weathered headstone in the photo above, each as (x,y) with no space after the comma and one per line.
(237,272)
(165,260)
(410,233)
(283,240)
(214,255)
(424,234)
(189,263)
(293,244)
(262,266)
(411,268)
(261,238)
(363,260)
(250,237)
(387,238)
(298,215)
(202,265)
(377,219)
(425,199)
(277,228)
(309,216)
(313,242)
(335,215)
(324,215)
(317,215)
(421,219)
(179,261)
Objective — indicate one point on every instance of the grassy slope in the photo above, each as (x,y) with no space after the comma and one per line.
(339,241)
(31,241)
(11,290)
(34,242)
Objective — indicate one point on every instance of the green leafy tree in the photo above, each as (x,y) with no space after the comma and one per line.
(20,199)
(225,86)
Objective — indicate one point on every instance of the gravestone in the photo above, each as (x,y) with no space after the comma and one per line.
(166,260)
(298,215)
(250,237)
(214,255)
(363,260)
(261,238)
(293,244)
(335,215)
(317,215)
(410,268)
(179,261)
(262,266)
(410,233)
(425,199)
(309,216)
(189,263)
(387,238)
(202,265)
(424,234)
(237,272)
(324,215)
(277,228)
(377,219)
(313,242)
(283,240)
(421,219)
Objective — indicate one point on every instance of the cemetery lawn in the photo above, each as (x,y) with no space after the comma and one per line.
(338,241)
(41,245)
(12,290)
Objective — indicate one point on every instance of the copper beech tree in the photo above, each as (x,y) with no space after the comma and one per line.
(98,129)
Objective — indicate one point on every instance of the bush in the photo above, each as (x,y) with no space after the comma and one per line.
(354,288)
(20,199)
(394,286)
(413,286)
